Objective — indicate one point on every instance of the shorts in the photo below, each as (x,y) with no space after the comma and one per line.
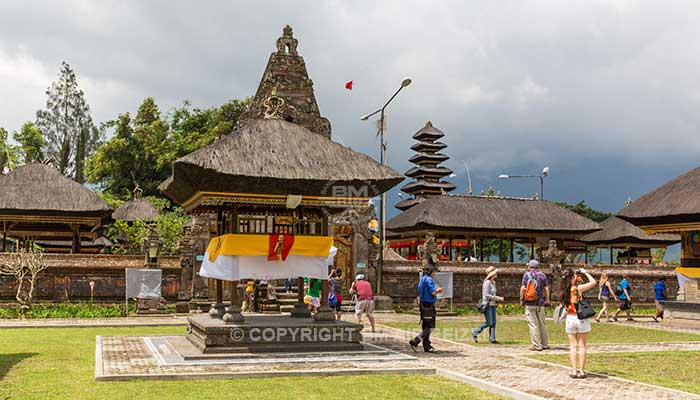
(604,299)
(575,325)
(625,304)
(314,301)
(338,305)
(364,306)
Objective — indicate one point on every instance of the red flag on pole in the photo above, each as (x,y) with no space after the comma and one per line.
(348,85)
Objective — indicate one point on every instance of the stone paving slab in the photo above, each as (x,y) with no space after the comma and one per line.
(506,368)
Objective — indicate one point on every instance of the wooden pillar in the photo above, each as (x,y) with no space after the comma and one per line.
(512,253)
(4,236)
(611,254)
(75,248)
(585,257)
(481,249)
(300,288)
(324,293)
(500,250)
(451,253)
(532,249)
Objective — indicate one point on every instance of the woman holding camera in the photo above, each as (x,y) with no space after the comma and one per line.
(572,289)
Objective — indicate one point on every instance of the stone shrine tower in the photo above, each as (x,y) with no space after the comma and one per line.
(286,90)
(428,172)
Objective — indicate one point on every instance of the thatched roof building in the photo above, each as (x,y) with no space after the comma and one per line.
(620,233)
(137,209)
(37,201)
(669,206)
(276,158)
(477,216)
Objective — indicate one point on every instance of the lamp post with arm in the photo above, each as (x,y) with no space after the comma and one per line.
(382,154)
(545,172)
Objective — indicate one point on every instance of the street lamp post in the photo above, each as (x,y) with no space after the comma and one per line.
(545,172)
(382,154)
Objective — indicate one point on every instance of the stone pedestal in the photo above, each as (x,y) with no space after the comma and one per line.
(216,311)
(300,311)
(273,333)
(682,312)
(233,315)
(150,306)
(325,313)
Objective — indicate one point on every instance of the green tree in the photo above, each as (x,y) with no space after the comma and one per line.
(143,149)
(70,134)
(31,143)
(582,209)
(9,156)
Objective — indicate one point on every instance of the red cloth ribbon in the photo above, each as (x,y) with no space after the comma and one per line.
(279,247)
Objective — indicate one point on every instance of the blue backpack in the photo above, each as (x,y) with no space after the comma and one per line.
(332,300)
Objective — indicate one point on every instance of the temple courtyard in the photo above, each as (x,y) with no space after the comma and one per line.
(124,358)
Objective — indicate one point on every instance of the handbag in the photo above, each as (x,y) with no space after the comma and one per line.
(584,309)
(481,307)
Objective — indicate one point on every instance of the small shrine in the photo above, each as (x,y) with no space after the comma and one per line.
(272,185)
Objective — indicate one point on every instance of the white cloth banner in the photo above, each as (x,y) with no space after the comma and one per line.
(236,268)
(443,280)
(143,283)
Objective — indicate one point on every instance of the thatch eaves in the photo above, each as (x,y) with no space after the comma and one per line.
(39,189)
(618,231)
(497,215)
(136,210)
(677,201)
(273,156)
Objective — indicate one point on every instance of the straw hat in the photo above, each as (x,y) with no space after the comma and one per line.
(491,271)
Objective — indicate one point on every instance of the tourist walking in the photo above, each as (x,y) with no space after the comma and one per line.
(365,299)
(490,299)
(427,292)
(335,298)
(623,295)
(572,289)
(659,296)
(534,296)
(605,293)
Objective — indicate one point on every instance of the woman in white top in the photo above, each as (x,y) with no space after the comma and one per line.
(488,296)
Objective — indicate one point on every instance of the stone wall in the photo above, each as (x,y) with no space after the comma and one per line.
(68,277)
(401,279)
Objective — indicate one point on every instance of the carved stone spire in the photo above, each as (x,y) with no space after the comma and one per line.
(285,90)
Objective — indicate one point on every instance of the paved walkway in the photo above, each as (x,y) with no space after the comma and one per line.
(175,320)
(507,367)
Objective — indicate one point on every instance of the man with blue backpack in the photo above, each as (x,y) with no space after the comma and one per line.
(427,292)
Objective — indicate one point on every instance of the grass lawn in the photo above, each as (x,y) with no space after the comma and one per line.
(515,332)
(59,364)
(672,369)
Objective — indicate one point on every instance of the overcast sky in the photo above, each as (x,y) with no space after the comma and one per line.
(606,93)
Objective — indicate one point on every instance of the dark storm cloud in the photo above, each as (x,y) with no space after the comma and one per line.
(604,92)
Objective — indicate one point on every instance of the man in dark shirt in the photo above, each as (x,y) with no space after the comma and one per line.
(428,295)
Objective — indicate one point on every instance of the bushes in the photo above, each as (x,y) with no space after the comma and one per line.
(67,310)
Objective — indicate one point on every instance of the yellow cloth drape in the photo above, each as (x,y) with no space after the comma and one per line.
(258,245)
(689,272)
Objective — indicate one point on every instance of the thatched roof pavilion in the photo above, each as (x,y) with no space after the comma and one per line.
(617,232)
(137,209)
(273,158)
(39,202)
(482,217)
(669,207)
(491,216)
(672,207)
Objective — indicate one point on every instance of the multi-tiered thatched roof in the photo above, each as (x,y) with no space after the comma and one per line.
(428,172)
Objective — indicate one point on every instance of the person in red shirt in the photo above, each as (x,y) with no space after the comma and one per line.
(365,299)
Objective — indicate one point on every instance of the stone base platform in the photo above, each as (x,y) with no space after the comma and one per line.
(273,333)
(682,312)
(172,357)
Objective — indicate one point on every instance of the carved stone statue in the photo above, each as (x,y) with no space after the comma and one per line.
(286,44)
